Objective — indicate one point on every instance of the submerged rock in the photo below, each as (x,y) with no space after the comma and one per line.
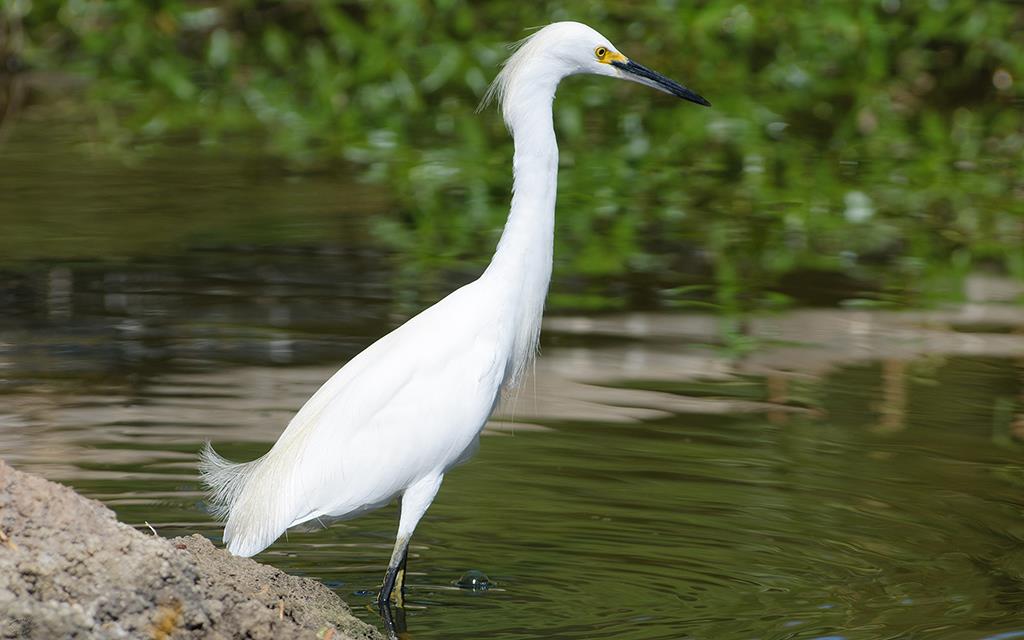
(68,568)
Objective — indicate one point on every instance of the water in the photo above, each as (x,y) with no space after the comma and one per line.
(856,474)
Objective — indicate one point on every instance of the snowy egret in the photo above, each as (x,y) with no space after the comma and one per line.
(399,415)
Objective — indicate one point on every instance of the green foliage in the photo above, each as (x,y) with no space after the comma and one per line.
(881,140)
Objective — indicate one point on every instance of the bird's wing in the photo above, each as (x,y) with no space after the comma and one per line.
(405,407)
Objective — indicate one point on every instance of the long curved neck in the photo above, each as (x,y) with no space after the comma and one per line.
(522,261)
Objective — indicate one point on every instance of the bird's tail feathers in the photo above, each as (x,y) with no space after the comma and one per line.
(225,479)
(253,498)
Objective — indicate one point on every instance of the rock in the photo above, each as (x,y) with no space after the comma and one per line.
(68,568)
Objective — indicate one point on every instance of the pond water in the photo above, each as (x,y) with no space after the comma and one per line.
(849,474)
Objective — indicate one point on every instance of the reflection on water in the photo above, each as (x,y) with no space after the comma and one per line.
(857,474)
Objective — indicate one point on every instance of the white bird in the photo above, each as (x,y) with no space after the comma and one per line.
(399,415)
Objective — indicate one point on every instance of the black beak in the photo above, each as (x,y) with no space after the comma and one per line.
(643,75)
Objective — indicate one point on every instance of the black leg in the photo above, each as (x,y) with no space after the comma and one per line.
(394,622)
(414,503)
(394,583)
(384,597)
(396,573)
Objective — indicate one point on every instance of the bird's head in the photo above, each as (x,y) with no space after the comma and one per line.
(569,48)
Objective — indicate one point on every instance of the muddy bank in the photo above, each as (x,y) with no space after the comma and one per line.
(68,568)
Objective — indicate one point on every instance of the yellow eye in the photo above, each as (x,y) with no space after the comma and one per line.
(600,52)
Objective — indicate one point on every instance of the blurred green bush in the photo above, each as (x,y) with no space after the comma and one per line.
(880,140)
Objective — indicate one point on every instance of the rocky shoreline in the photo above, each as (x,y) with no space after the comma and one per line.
(68,568)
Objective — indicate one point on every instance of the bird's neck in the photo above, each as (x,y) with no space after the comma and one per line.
(522,261)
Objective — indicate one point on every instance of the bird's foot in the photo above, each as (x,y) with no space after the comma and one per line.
(394,619)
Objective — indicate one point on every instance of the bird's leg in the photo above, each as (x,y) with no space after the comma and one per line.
(415,501)
(395,576)
(400,579)
(394,623)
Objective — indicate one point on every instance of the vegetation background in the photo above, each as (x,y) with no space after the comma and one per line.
(857,152)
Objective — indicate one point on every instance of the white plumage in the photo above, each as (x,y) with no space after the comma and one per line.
(372,430)
(395,418)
